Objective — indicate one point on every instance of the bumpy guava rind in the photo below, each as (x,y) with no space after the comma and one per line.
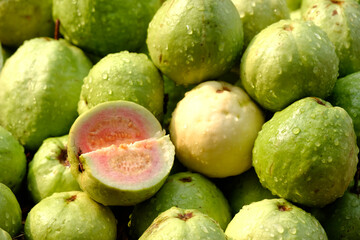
(118,153)
(178,223)
(102,28)
(12,161)
(47,75)
(10,211)
(49,170)
(307,153)
(274,219)
(258,14)
(287,61)
(341,21)
(70,215)
(25,19)
(124,76)
(218,114)
(185,190)
(192,41)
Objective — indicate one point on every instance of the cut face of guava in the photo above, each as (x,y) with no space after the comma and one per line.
(119,153)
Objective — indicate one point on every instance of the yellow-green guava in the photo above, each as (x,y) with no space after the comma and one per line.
(307,153)
(124,76)
(70,215)
(22,20)
(103,27)
(4,235)
(274,219)
(49,170)
(119,153)
(287,61)
(10,211)
(185,190)
(41,84)
(191,41)
(341,21)
(179,224)
(214,128)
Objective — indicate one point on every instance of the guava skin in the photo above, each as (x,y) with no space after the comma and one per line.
(177,223)
(258,14)
(47,75)
(49,170)
(4,235)
(70,215)
(10,211)
(23,20)
(124,76)
(192,41)
(346,94)
(341,21)
(218,114)
(287,61)
(12,161)
(274,219)
(185,190)
(307,153)
(105,28)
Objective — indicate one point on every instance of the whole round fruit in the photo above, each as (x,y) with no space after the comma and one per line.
(287,61)
(70,215)
(41,84)
(307,153)
(191,41)
(214,128)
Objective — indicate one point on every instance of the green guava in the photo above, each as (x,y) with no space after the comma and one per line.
(124,76)
(10,211)
(49,170)
(258,14)
(307,153)
(105,27)
(191,41)
(119,153)
(287,61)
(214,128)
(341,21)
(41,84)
(179,224)
(293,4)
(70,215)
(4,235)
(274,219)
(185,190)
(22,20)
(346,94)
(12,161)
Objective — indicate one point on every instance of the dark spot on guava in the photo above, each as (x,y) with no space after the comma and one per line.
(337,2)
(62,157)
(223,89)
(186,179)
(283,208)
(288,27)
(27,17)
(47,38)
(315,6)
(81,168)
(185,216)
(71,199)
(334,12)
(319,101)
(316,190)
(160,58)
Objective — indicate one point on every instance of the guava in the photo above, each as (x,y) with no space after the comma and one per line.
(22,20)
(12,161)
(70,215)
(10,211)
(307,153)
(214,128)
(346,94)
(49,170)
(179,224)
(287,61)
(258,14)
(105,27)
(293,4)
(274,219)
(119,153)
(296,15)
(192,41)
(4,235)
(341,21)
(41,84)
(124,76)
(185,190)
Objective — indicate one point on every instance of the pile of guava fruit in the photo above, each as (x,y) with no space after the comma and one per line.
(179,119)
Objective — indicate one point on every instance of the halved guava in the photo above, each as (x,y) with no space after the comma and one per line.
(119,153)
